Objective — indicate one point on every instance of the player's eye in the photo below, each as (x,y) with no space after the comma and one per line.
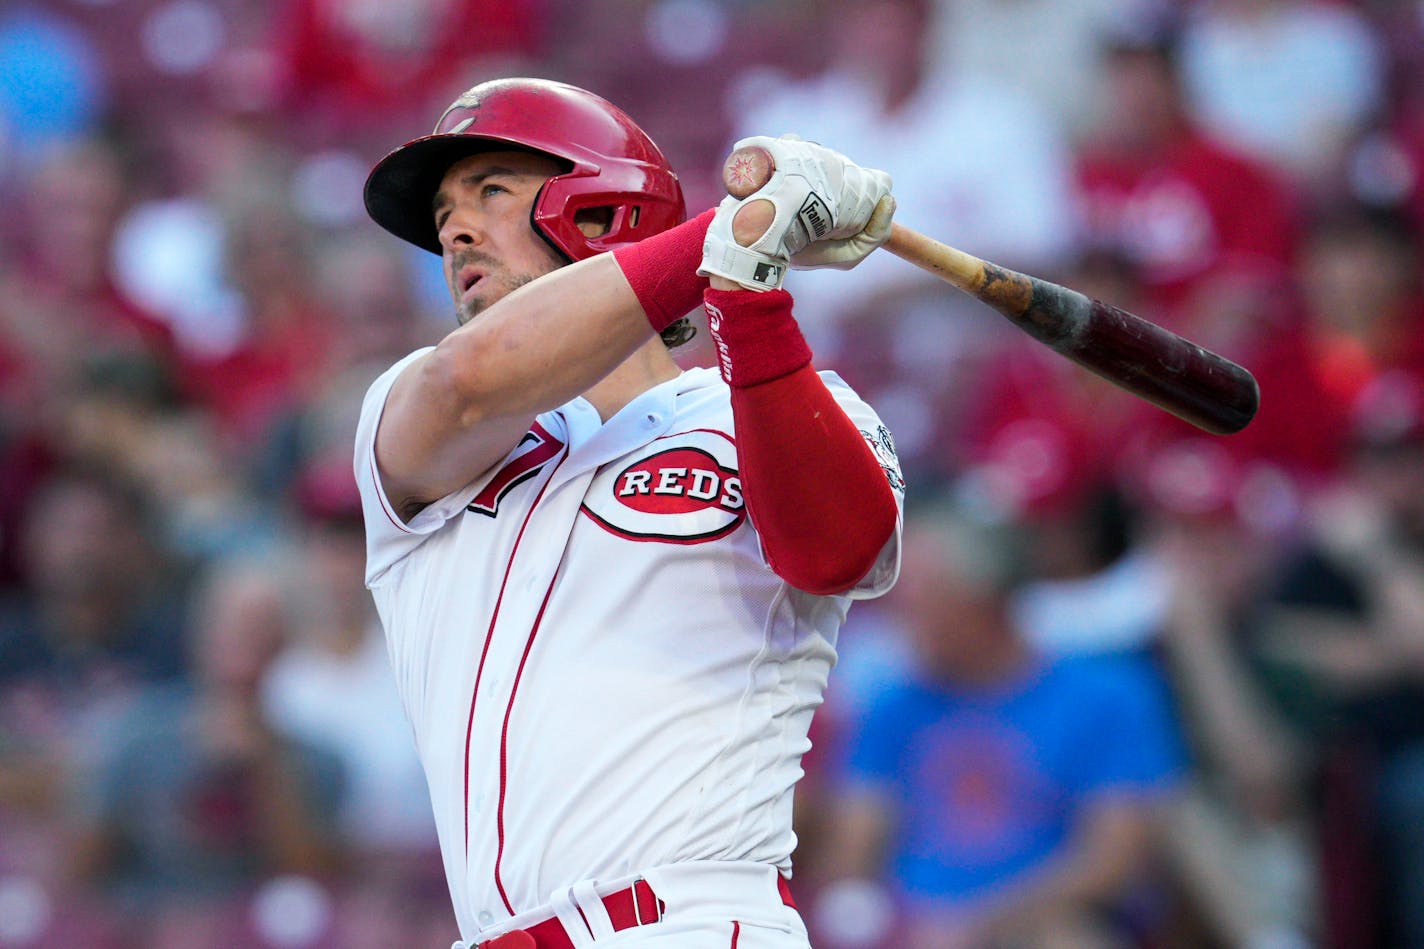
(490,189)
(440,218)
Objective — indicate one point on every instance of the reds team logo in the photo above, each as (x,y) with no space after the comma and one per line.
(469,100)
(678,489)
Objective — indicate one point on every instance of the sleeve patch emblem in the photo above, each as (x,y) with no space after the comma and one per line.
(882,443)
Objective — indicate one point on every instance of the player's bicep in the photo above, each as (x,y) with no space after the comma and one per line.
(428,441)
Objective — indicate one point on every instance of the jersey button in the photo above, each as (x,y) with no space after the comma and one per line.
(486,917)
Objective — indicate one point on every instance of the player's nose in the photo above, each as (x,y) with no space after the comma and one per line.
(460,228)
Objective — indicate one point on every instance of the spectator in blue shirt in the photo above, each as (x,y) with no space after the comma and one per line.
(1005,797)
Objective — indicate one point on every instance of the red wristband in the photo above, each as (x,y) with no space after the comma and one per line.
(755,335)
(662,270)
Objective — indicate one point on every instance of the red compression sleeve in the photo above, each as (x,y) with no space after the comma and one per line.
(662,270)
(815,491)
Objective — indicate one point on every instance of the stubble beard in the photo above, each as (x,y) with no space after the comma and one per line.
(503,283)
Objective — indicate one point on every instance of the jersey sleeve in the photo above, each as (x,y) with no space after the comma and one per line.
(882,576)
(388,537)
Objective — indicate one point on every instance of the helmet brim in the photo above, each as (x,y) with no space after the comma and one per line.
(400,191)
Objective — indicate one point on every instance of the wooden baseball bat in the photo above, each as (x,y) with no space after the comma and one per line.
(1175,374)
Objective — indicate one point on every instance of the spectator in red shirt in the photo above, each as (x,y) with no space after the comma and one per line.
(282,354)
(1353,311)
(1213,236)
(357,61)
(1186,210)
(58,302)
(1362,299)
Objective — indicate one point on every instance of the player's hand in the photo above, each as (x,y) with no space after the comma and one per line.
(845,252)
(819,193)
(752,263)
(814,196)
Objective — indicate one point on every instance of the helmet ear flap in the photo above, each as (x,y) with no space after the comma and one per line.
(535,223)
(632,199)
(592,222)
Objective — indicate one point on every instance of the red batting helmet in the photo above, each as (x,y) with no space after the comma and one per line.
(615,165)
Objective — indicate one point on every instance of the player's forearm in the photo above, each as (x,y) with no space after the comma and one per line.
(554,339)
(815,491)
(461,408)
(539,347)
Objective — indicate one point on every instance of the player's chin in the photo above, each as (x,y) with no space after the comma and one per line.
(490,291)
(467,310)
(473,304)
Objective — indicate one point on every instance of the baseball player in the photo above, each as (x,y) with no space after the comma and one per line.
(611,588)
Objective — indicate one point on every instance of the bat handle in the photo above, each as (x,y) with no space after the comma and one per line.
(748,169)
(947,263)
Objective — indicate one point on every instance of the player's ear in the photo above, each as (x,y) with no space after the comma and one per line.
(593,222)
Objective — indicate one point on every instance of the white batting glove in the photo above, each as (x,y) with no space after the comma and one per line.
(845,253)
(757,267)
(819,197)
(819,194)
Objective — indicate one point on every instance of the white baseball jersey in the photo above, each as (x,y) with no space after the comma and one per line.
(602,673)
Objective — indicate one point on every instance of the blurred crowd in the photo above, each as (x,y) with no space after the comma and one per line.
(1139,686)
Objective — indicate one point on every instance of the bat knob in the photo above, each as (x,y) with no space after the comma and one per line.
(746,170)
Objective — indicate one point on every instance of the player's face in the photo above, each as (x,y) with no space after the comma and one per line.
(482,217)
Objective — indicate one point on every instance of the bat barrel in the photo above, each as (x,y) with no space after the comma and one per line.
(1175,374)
